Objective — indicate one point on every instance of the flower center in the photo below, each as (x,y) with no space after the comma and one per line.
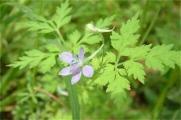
(77,61)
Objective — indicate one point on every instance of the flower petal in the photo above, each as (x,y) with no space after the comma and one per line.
(81,54)
(75,69)
(65,71)
(66,57)
(76,78)
(88,71)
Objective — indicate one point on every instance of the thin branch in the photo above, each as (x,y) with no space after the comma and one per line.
(150,26)
(38,89)
(94,54)
(60,36)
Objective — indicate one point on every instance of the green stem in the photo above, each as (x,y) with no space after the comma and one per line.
(6,79)
(161,99)
(58,34)
(61,39)
(73,99)
(117,61)
(119,64)
(150,26)
(94,54)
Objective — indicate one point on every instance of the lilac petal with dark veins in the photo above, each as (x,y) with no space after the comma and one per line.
(88,71)
(65,71)
(76,78)
(66,57)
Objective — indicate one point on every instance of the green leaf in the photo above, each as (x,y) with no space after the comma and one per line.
(75,37)
(119,97)
(127,36)
(49,82)
(34,53)
(91,38)
(39,23)
(117,84)
(109,57)
(34,58)
(31,59)
(162,56)
(62,15)
(168,34)
(40,26)
(60,114)
(52,48)
(136,69)
(96,62)
(106,75)
(47,63)
(131,26)
(122,72)
(102,23)
(136,53)
(176,56)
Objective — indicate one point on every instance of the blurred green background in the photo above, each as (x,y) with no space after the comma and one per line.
(21,98)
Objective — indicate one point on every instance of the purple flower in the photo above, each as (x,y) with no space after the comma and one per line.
(76,66)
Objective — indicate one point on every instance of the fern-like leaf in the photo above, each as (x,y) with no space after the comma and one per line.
(127,36)
(136,53)
(135,69)
(102,23)
(34,58)
(115,80)
(91,38)
(40,26)
(31,58)
(162,56)
(107,74)
(62,15)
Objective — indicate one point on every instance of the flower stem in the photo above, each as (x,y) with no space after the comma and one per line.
(73,99)
(94,54)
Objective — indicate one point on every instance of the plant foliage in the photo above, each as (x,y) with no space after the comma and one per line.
(121,59)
